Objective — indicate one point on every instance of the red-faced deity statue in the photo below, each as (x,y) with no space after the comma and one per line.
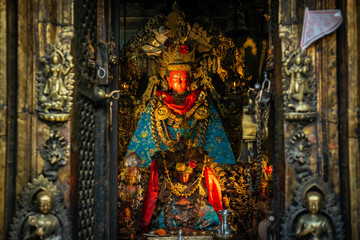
(179,81)
(183,177)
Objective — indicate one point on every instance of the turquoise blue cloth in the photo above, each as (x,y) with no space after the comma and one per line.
(205,219)
(216,141)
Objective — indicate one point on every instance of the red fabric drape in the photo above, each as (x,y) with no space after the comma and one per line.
(151,196)
(213,186)
(170,103)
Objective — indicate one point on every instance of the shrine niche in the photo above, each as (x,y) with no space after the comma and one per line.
(182,151)
(314,213)
(177,133)
(42,214)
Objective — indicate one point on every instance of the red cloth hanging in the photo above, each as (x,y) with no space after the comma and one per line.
(213,186)
(151,196)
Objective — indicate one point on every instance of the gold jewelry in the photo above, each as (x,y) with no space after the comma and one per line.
(202,113)
(159,128)
(162,113)
(175,59)
(175,191)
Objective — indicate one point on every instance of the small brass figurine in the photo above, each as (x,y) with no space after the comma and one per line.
(299,86)
(313,225)
(43,225)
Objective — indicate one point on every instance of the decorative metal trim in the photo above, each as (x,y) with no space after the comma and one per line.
(331,208)
(55,81)
(28,209)
(299,86)
(55,154)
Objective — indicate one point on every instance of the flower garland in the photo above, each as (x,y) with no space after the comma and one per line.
(175,191)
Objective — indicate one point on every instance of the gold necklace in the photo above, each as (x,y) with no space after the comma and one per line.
(175,191)
(159,114)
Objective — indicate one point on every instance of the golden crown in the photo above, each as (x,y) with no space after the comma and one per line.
(178,58)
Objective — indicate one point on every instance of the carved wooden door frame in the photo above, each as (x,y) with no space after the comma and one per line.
(95,156)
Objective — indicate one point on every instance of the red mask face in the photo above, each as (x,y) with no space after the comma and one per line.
(179,80)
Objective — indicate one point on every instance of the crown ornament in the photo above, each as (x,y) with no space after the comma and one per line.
(179,57)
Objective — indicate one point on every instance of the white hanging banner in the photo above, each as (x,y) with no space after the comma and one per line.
(319,23)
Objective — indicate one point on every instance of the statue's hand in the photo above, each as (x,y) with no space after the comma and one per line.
(310,229)
(40,231)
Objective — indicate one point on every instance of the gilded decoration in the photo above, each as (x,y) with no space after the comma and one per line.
(212,54)
(314,213)
(41,214)
(298,150)
(173,123)
(237,185)
(55,81)
(131,193)
(299,86)
(55,153)
(235,182)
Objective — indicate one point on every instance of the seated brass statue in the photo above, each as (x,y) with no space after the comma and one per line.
(43,225)
(313,225)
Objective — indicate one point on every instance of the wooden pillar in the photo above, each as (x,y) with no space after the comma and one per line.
(311,134)
(28,29)
(3,113)
(351,133)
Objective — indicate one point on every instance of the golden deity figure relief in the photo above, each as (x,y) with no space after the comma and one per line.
(300,88)
(298,83)
(55,153)
(41,214)
(55,84)
(315,212)
(314,225)
(43,225)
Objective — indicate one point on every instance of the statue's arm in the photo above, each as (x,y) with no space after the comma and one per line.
(300,231)
(287,72)
(47,70)
(68,69)
(33,235)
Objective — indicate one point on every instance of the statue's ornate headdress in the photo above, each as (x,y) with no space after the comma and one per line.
(180,57)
